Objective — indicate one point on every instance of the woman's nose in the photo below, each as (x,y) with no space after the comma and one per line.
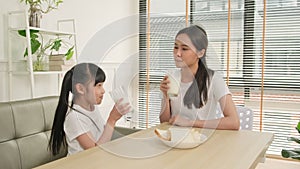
(178,53)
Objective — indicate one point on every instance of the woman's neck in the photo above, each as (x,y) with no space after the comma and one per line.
(188,74)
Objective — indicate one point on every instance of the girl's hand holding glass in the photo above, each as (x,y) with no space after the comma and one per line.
(119,110)
(121,99)
(122,106)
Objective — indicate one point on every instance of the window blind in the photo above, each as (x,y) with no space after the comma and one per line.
(260,59)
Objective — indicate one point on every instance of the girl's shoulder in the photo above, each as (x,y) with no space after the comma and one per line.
(75,112)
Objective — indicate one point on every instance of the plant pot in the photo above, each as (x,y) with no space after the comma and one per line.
(41,64)
(35,17)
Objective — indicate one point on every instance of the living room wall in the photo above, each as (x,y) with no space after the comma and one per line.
(90,17)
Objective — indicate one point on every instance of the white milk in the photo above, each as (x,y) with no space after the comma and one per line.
(174,78)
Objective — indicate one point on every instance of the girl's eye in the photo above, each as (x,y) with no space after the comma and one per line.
(99,84)
(185,49)
(175,47)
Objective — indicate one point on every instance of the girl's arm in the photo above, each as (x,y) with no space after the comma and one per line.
(87,141)
(116,113)
(230,121)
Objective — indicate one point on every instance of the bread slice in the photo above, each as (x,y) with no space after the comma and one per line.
(166,138)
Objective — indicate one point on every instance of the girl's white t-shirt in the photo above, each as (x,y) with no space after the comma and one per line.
(77,123)
(211,110)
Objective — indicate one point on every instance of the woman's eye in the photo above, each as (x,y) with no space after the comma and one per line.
(175,47)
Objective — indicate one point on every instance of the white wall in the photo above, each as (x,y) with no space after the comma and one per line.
(91,17)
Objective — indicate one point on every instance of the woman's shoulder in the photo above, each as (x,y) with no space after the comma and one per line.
(216,75)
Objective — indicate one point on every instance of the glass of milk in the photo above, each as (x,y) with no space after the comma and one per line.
(120,93)
(174,76)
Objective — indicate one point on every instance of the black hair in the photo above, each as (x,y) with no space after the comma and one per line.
(197,94)
(81,73)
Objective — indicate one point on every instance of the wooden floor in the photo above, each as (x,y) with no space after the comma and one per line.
(271,163)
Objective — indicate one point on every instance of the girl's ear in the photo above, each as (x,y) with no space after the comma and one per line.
(201,53)
(79,88)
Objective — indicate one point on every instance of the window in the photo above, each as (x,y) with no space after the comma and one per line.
(260,59)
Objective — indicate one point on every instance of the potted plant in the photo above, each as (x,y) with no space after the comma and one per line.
(41,50)
(37,7)
(295,153)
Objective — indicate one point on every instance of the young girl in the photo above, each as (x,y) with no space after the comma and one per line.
(79,125)
(204,99)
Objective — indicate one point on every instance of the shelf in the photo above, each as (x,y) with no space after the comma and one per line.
(44,31)
(48,72)
(16,64)
(38,72)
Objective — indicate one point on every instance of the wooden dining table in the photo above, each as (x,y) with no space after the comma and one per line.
(224,149)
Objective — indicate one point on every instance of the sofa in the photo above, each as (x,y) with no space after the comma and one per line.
(25,128)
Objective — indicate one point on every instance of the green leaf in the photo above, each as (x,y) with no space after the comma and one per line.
(35,45)
(56,45)
(69,53)
(294,139)
(290,154)
(297,157)
(34,36)
(58,2)
(298,127)
(31,32)
(22,33)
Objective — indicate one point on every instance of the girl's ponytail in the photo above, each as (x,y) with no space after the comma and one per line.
(57,138)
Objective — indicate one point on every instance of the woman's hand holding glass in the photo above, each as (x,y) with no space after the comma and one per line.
(170,84)
(164,87)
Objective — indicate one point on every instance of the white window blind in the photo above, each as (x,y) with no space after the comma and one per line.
(262,65)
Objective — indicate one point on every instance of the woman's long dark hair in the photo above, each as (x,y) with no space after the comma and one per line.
(197,94)
(80,73)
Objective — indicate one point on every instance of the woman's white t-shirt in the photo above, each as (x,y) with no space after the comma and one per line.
(211,110)
(80,122)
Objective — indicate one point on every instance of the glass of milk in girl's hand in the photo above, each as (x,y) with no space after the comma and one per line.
(120,93)
(174,76)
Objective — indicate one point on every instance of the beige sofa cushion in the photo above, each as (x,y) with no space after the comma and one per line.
(25,128)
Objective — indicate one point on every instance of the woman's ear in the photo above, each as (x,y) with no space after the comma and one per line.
(80,89)
(201,53)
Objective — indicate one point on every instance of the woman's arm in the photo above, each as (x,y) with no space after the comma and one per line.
(165,113)
(230,121)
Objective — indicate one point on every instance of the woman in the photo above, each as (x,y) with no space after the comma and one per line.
(79,124)
(204,99)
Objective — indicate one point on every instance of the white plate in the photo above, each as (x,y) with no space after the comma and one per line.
(182,138)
